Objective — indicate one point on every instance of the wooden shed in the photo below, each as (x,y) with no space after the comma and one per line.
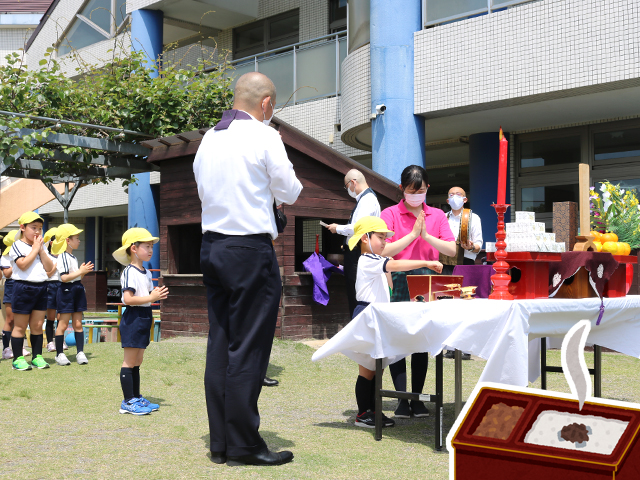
(321,171)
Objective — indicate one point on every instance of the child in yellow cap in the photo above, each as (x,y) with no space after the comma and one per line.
(373,284)
(53,284)
(7,271)
(138,294)
(30,262)
(71,298)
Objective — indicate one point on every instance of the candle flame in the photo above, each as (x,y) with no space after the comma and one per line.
(501,135)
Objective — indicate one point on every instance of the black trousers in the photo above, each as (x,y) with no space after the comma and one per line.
(350,273)
(243,293)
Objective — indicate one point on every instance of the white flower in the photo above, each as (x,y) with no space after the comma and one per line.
(600,270)
(622,191)
(603,188)
(556,279)
(607,204)
(606,195)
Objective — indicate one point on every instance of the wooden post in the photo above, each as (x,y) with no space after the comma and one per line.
(585,239)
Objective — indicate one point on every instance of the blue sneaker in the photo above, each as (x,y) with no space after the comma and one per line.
(146,403)
(134,408)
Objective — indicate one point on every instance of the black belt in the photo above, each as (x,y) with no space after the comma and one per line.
(212,234)
(29,283)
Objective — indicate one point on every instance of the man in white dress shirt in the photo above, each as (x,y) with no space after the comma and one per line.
(366,206)
(241,169)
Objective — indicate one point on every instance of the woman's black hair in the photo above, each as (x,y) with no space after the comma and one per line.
(413,176)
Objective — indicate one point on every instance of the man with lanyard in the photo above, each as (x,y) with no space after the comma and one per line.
(366,206)
(457,199)
(241,169)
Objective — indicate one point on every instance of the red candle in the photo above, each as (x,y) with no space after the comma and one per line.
(502,170)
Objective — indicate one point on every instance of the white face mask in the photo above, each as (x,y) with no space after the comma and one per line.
(264,116)
(352,193)
(415,199)
(456,202)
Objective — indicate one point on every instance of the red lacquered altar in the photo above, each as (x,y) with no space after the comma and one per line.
(530,276)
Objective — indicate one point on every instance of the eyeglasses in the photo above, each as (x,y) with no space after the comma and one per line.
(346,185)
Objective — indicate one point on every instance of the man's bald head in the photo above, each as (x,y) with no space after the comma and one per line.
(457,191)
(354,174)
(251,89)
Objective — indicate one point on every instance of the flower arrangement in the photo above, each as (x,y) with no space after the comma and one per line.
(616,210)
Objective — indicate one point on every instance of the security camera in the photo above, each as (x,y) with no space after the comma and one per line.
(380,109)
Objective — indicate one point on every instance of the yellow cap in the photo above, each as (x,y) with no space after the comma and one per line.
(63,232)
(28,217)
(52,232)
(366,225)
(131,236)
(8,240)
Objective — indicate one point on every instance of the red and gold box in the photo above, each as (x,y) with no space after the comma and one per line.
(432,287)
(523,454)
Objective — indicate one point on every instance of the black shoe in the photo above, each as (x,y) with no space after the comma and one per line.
(403,410)
(449,354)
(466,356)
(270,382)
(266,457)
(368,420)
(418,409)
(218,457)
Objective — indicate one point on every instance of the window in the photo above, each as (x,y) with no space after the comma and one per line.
(267,34)
(617,145)
(96,21)
(337,15)
(540,199)
(550,151)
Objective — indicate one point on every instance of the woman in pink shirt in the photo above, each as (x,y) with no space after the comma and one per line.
(435,238)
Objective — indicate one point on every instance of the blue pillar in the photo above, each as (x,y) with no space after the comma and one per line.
(484,150)
(146,35)
(398,135)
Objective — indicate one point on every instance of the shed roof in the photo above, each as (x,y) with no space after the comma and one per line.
(186,144)
(24,6)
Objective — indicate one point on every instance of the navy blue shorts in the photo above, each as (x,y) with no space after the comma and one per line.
(8,291)
(360,306)
(71,298)
(28,296)
(52,294)
(135,327)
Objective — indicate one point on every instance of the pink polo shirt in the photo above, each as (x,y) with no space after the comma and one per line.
(401,222)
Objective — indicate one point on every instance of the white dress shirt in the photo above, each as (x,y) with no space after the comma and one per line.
(368,206)
(475,232)
(371,282)
(239,172)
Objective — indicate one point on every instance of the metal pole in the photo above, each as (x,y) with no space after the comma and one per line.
(66,202)
(337,65)
(295,76)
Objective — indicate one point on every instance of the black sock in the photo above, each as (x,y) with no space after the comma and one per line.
(363,394)
(126,381)
(136,381)
(79,341)
(59,344)
(398,372)
(48,329)
(36,345)
(16,346)
(6,339)
(419,364)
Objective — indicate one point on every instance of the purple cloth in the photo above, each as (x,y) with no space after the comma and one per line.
(229,116)
(476,276)
(321,270)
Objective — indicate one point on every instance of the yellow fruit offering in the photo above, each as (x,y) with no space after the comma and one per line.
(610,247)
(609,237)
(598,246)
(624,248)
(597,236)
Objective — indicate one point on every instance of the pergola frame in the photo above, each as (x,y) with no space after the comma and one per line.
(115,160)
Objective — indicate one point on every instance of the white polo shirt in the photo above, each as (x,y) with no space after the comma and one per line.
(67,263)
(139,282)
(367,206)
(371,282)
(475,232)
(5,262)
(239,172)
(35,273)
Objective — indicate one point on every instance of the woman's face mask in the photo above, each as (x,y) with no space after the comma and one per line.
(415,199)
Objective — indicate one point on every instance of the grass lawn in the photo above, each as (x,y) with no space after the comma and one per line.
(63,422)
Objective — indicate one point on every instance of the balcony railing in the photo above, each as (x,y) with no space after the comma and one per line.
(302,71)
(435,12)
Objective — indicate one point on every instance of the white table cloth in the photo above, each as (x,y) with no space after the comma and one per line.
(505,333)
